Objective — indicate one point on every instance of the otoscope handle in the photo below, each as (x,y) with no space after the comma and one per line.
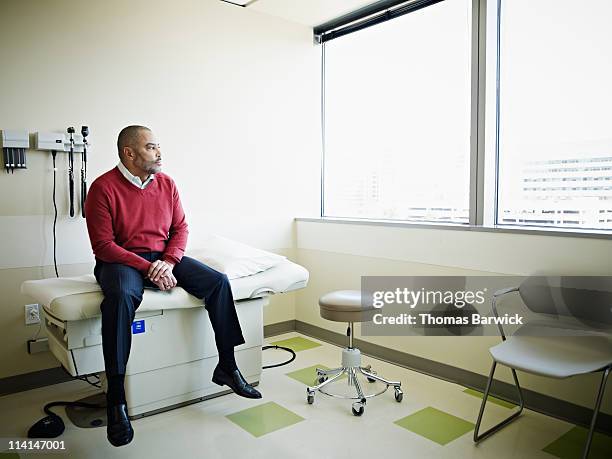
(71,185)
(83,193)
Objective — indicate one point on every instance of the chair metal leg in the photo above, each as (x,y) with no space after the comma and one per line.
(350,380)
(495,428)
(368,374)
(357,386)
(602,387)
(332,371)
(327,381)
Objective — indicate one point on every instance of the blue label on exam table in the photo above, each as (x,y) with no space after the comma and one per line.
(138,326)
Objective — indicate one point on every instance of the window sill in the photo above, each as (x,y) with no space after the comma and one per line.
(538,231)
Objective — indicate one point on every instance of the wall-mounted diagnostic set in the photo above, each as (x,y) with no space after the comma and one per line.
(71,143)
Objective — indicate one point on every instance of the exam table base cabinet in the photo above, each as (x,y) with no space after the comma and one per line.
(171,360)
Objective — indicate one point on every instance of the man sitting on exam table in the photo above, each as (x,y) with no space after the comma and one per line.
(138,235)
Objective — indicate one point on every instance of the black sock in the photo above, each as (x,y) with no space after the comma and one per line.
(227,360)
(116,392)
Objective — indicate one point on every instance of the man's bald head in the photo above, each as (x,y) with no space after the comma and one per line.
(128,137)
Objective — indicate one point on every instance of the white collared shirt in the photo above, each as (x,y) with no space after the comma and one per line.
(133,179)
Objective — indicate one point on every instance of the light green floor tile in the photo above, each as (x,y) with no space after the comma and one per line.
(263,419)
(435,425)
(297,344)
(497,401)
(307,375)
(571,444)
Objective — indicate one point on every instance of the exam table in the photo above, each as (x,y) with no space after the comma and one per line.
(173,350)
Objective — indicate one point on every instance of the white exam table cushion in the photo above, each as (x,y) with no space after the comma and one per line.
(78,298)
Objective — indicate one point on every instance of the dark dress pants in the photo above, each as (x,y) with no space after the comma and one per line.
(123,288)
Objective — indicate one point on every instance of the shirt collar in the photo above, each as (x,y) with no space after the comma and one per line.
(133,179)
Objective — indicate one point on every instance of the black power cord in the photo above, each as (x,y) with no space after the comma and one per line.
(54,154)
(282,363)
(52,426)
(97,383)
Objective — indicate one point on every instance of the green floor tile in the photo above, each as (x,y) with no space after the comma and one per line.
(571,444)
(263,419)
(435,425)
(497,401)
(7,455)
(297,344)
(307,375)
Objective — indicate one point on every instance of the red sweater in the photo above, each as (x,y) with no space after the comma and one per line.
(123,220)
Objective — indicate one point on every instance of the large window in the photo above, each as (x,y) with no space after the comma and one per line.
(480,112)
(555,99)
(397,118)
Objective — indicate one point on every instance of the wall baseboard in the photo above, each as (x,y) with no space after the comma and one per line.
(33,380)
(535,401)
(279,328)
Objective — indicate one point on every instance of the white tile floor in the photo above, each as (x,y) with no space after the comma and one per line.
(329,429)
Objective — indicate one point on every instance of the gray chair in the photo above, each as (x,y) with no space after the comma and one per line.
(345,306)
(569,336)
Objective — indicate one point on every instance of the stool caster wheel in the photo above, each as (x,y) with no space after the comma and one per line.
(310,397)
(371,380)
(321,379)
(357,409)
(399,395)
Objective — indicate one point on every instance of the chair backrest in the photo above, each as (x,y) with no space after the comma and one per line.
(585,298)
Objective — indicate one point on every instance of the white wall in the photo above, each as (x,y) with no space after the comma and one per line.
(337,255)
(232,94)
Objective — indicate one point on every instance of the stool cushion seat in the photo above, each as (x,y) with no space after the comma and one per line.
(345,306)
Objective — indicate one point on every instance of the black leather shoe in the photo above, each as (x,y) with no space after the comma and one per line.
(118,429)
(236,382)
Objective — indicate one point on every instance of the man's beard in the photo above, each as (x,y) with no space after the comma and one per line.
(149,166)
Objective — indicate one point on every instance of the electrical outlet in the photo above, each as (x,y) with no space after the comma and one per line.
(32,314)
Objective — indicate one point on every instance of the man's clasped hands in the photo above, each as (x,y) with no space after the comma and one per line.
(160,273)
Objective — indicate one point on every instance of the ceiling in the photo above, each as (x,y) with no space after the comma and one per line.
(308,12)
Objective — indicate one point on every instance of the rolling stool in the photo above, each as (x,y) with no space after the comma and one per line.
(345,306)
